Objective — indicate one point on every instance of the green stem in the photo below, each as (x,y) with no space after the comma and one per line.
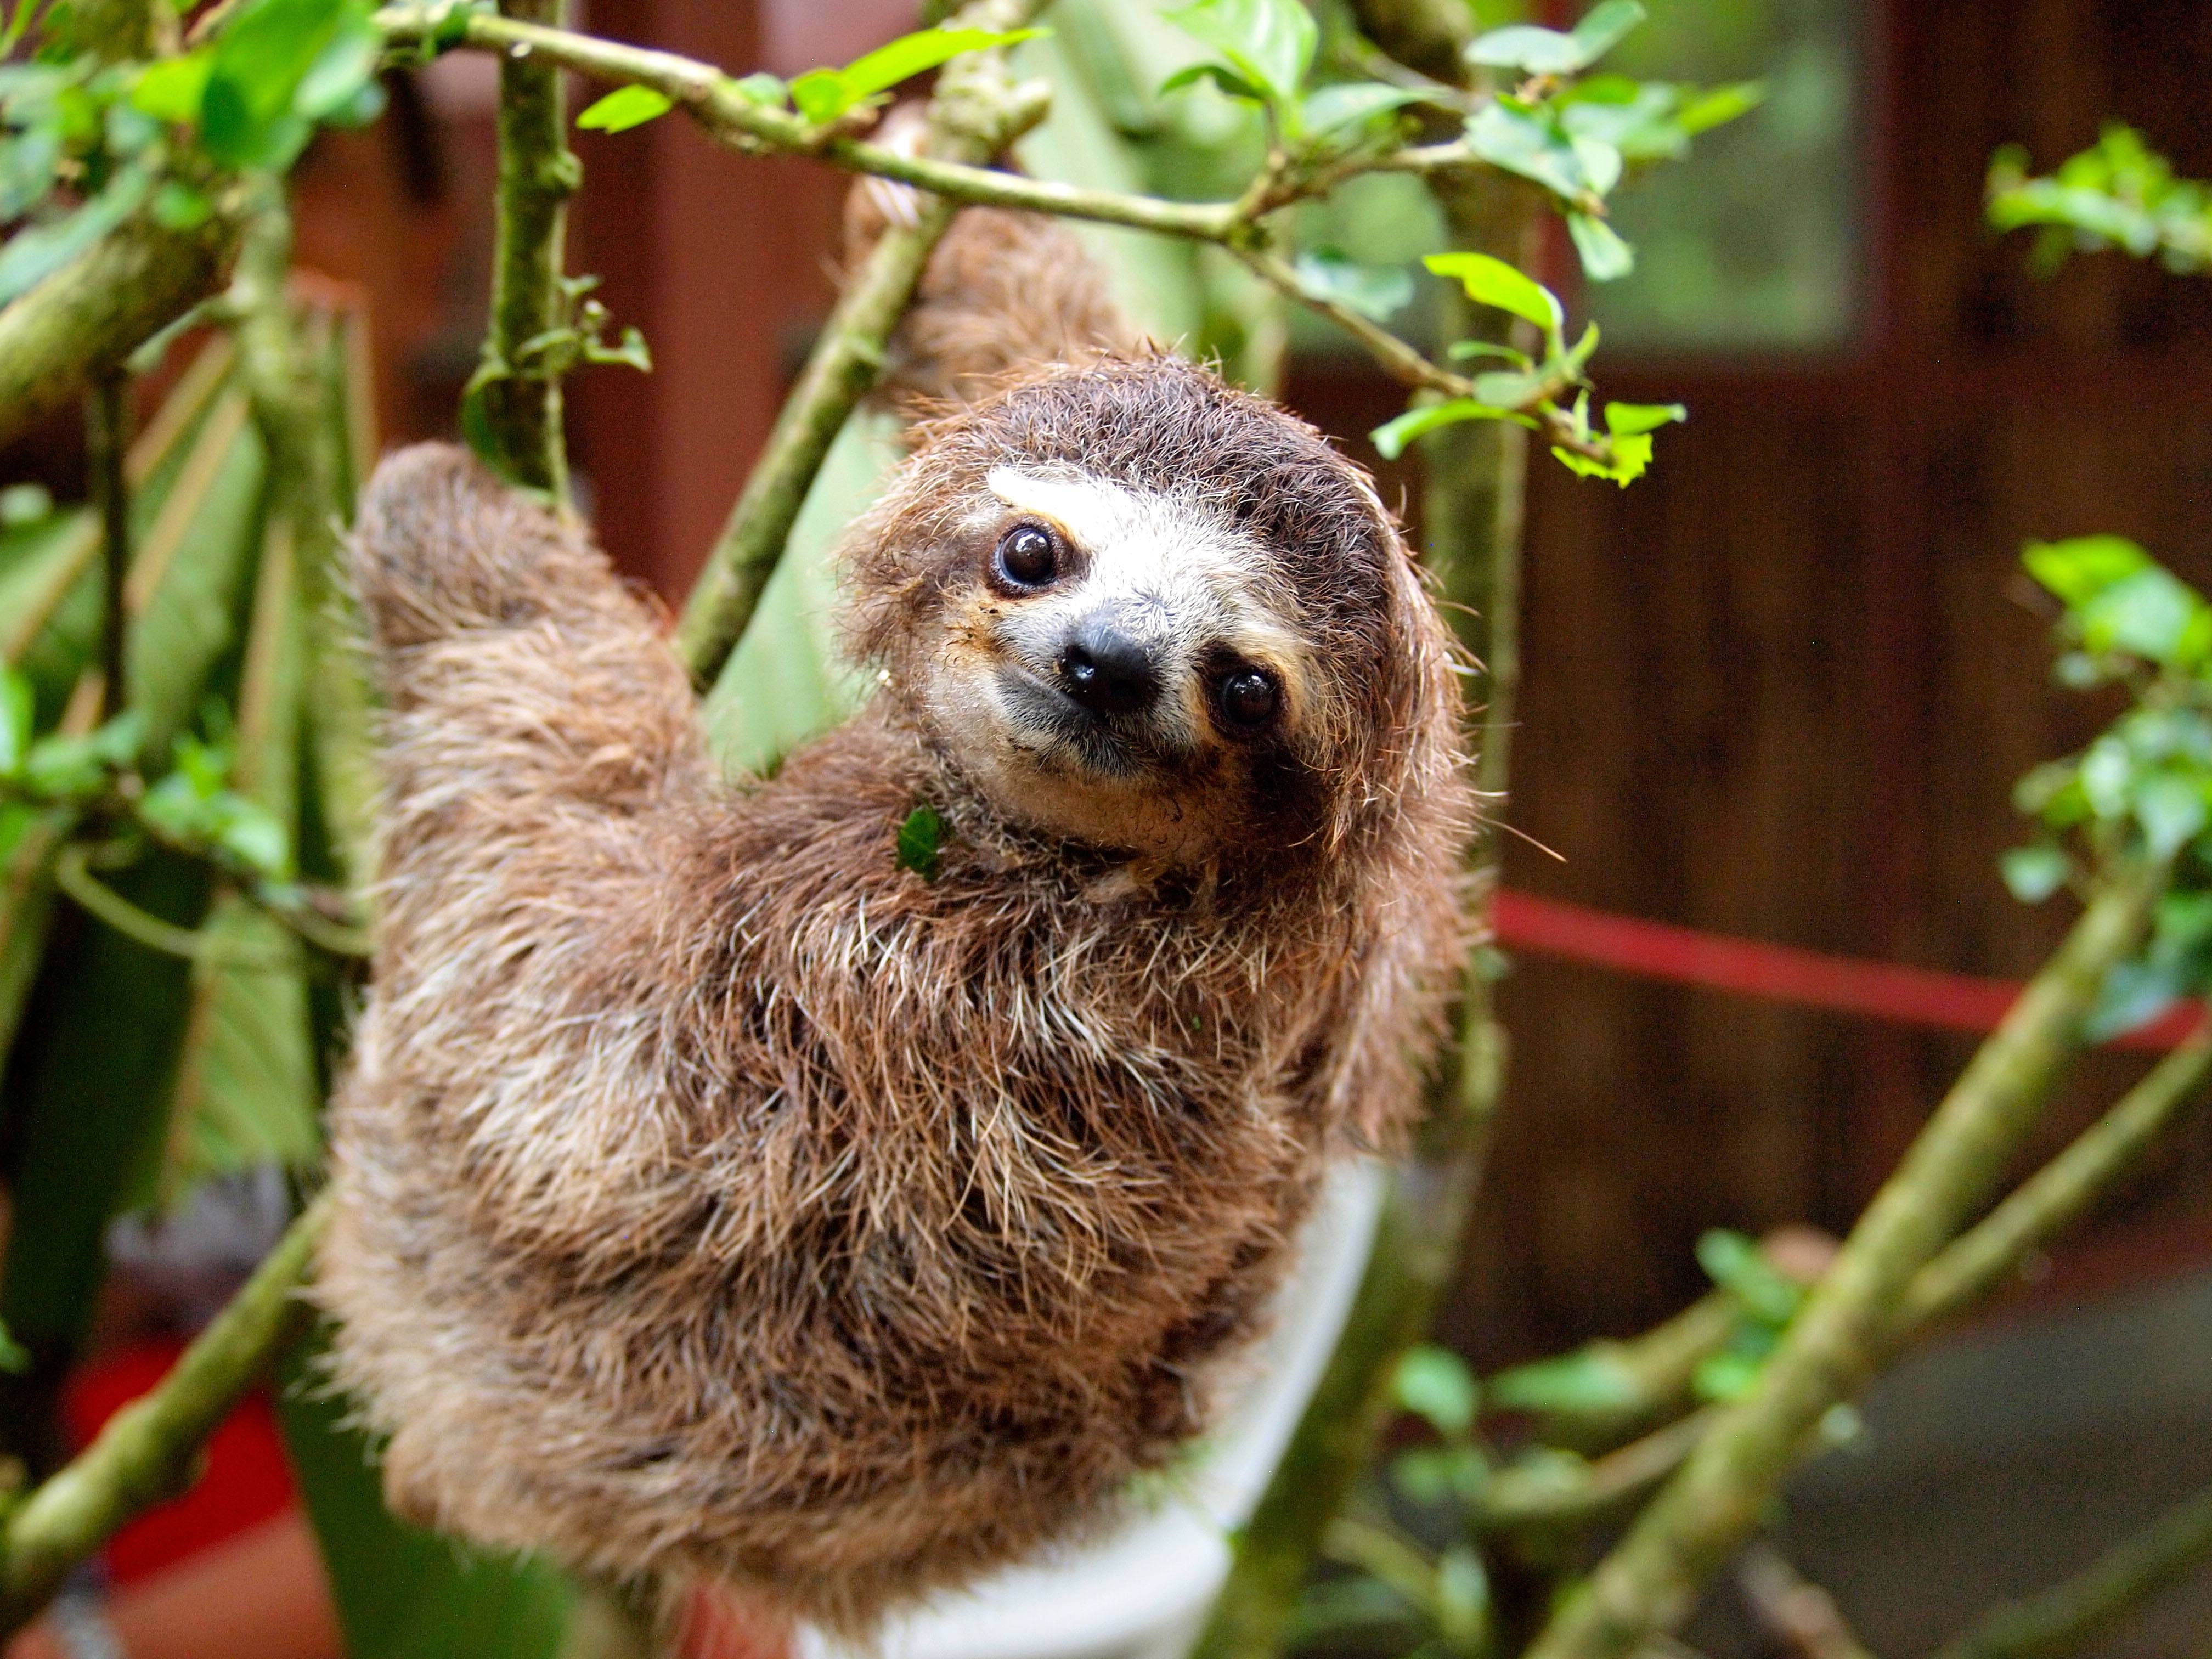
(2049,1202)
(974,115)
(1850,1322)
(537,173)
(1537,1501)
(106,440)
(1653,1377)
(289,403)
(95,310)
(2070,1616)
(146,1452)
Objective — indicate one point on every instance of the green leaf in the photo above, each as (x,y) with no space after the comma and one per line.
(1439,1474)
(1605,257)
(917,53)
(1624,420)
(760,88)
(1548,51)
(1726,1376)
(1531,144)
(14,1357)
(171,90)
(1510,388)
(823,94)
(2171,810)
(1632,458)
(820,95)
(2034,873)
(1719,105)
(18,708)
(2152,614)
(1223,80)
(248,116)
(1738,1265)
(1347,105)
(2079,569)
(1463,1604)
(921,839)
(1588,1380)
(1491,282)
(1269,43)
(626,108)
(341,71)
(1378,292)
(1392,436)
(1436,1385)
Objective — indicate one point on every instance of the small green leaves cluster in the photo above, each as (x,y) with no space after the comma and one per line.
(2118,193)
(86,143)
(1263,54)
(2144,785)
(824,96)
(1529,389)
(1577,138)
(192,809)
(579,338)
(1766,1301)
(1436,1386)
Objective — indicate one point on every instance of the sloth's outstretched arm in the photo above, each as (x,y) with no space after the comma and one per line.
(543,780)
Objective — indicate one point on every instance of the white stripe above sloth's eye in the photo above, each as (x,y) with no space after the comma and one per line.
(1175,574)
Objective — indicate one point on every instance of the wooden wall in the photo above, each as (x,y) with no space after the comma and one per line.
(1783,686)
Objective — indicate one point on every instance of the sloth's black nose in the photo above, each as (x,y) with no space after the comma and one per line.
(1106,670)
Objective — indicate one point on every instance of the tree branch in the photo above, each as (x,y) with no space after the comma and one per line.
(2066,1617)
(146,1452)
(97,308)
(1850,1322)
(974,115)
(537,173)
(106,439)
(2049,1202)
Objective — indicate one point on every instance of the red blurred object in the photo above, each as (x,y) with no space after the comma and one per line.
(246,1480)
(1783,973)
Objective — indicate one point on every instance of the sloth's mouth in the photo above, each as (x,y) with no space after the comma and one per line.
(1052,725)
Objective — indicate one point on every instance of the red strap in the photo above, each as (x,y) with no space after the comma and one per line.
(1781,973)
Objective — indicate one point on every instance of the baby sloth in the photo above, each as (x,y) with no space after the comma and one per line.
(716,1195)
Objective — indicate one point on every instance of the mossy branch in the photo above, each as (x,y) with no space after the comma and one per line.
(975,112)
(1850,1321)
(147,1451)
(1973,1266)
(2070,1616)
(537,173)
(93,311)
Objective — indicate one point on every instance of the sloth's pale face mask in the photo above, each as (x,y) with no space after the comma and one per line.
(1122,668)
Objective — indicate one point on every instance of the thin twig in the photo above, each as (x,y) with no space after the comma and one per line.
(2068,1616)
(1540,1500)
(1850,1322)
(2050,1200)
(537,173)
(146,1452)
(1795,1610)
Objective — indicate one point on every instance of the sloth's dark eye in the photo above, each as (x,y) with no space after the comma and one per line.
(1028,555)
(1249,699)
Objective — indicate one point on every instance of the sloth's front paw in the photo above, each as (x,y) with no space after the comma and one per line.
(442,547)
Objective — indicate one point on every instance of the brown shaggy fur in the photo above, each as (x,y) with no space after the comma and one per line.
(716,1194)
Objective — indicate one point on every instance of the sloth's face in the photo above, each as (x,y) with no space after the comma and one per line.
(1119,665)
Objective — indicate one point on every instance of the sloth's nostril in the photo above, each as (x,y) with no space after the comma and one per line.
(1106,671)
